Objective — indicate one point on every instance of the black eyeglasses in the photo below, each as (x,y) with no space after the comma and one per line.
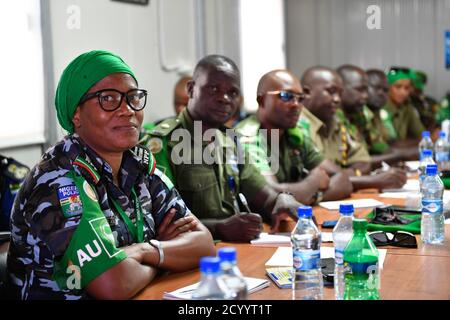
(111,99)
(397,239)
(287,96)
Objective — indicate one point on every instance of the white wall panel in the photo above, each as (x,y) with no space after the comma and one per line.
(334,32)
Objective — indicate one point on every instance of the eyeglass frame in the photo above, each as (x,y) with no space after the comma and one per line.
(97,94)
(300,96)
(391,242)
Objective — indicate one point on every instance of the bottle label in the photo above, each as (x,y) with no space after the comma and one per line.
(306,259)
(363,271)
(442,156)
(432,207)
(339,256)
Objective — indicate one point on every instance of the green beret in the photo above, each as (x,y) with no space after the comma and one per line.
(79,76)
(395,74)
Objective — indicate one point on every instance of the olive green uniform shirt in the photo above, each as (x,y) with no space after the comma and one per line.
(405,120)
(339,146)
(371,128)
(210,189)
(288,162)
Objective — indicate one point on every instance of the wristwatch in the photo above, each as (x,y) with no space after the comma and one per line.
(156,244)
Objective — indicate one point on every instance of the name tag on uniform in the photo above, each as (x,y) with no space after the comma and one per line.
(69,198)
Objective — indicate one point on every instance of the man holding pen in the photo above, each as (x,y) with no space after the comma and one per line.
(210,184)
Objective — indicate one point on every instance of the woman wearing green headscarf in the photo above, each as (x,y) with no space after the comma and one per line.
(95,219)
(401,119)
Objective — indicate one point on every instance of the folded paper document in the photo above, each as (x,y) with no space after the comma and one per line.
(360,203)
(185,293)
(283,256)
(283,239)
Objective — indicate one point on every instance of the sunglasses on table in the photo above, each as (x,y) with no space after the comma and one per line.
(397,239)
(287,96)
(111,99)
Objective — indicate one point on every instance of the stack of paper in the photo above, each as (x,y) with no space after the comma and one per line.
(360,203)
(185,293)
(283,256)
(283,239)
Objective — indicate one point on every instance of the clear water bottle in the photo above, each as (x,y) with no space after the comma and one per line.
(307,281)
(425,143)
(442,152)
(231,274)
(432,225)
(342,233)
(427,158)
(362,276)
(211,286)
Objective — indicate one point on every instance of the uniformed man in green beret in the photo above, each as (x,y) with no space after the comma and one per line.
(398,111)
(285,156)
(203,159)
(325,123)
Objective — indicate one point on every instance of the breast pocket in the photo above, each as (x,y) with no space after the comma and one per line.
(199,188)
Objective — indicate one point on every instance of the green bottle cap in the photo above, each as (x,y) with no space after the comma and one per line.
(360,224)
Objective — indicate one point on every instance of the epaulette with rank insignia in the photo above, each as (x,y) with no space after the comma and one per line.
(165,127)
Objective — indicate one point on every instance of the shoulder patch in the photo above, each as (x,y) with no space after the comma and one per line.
(165,127)
(69,198)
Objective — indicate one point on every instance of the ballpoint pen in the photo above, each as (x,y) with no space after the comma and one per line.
(244,202)
(232,186)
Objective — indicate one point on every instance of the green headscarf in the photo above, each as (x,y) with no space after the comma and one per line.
(79,76)
(398,74)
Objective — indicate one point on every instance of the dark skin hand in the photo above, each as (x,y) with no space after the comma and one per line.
(247,226)
(394,178)
(128,277)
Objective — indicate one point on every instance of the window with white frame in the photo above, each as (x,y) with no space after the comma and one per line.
(22,78)
(262,43)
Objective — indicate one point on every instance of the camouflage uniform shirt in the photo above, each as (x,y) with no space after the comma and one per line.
(42,228)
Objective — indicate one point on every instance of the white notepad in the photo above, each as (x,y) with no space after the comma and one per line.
(185,293)
(283,239)
(360,203)
(283,256)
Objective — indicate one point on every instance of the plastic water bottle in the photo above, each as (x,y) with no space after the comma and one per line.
(342,233)
(211,286)
(425,143)
(231,274)
(307,281)
(432,225)
(427,158)
(361,265)
(442,152)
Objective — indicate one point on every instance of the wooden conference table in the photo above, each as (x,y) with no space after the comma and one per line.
(422,273)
